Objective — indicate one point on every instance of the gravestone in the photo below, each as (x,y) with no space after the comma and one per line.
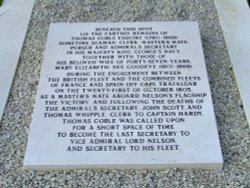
(123,95)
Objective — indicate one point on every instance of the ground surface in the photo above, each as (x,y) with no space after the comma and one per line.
(233,129)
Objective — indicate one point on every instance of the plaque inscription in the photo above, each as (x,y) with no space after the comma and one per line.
(123,95)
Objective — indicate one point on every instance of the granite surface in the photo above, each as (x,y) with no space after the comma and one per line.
(232,125)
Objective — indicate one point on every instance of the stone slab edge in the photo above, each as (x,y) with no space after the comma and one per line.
(234,17)
(14,20)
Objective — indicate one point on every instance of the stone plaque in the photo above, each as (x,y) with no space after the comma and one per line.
(123,95)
